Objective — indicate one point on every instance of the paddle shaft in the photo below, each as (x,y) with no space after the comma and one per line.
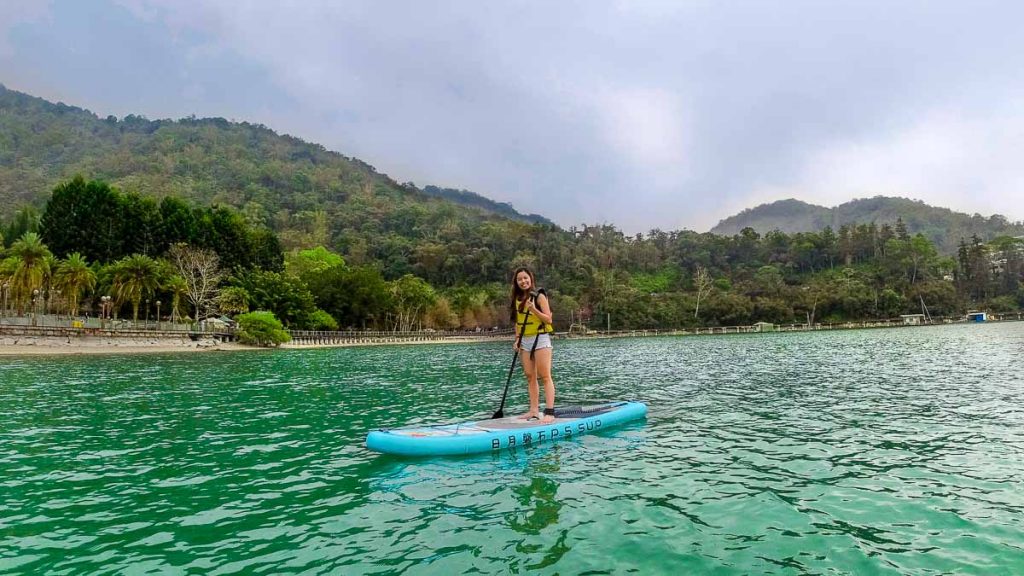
(519,340)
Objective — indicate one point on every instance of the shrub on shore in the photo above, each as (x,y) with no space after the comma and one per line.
(261,329)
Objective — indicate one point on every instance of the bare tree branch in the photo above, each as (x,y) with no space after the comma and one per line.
(200,269)
(702,281)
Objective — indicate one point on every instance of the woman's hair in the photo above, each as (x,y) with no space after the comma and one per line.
(517,293)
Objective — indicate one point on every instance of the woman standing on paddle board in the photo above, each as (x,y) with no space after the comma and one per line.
(533,341)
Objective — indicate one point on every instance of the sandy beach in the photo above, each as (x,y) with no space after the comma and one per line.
(63,346)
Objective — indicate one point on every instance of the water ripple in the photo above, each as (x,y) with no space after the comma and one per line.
(888,451)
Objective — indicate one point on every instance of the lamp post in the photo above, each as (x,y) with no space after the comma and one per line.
(6,287)
(103,311)
(35,297)
(147,313)
(157,314)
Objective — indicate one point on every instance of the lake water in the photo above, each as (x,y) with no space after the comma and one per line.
(895,451)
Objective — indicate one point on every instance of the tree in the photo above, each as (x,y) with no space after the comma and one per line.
(262,329)
(32,270)
(320,320)
(25,220)
(86,218)
(233,300)
(178,288)
(412,296)
(72,277)
(702,282)
(312,261)
(283,294)
(354,296)
(135,277)
(200,270)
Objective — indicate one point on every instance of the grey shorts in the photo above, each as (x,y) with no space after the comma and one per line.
(543,341)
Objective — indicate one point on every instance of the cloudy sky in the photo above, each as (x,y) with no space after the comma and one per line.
(641,114)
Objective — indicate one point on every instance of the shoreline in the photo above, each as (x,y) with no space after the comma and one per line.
(21,346)
(90,346)
(87,346)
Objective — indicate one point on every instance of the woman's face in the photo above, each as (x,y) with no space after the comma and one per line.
(523,281)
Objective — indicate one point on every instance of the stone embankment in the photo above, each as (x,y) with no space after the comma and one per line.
(19,340)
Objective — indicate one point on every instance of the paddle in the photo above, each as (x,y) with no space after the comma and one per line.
(519,340)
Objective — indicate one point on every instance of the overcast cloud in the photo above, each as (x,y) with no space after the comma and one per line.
(640,114)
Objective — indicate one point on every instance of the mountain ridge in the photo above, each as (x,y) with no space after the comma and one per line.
(43,143)
(943,226)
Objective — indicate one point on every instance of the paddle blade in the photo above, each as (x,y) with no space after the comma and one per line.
(499,414)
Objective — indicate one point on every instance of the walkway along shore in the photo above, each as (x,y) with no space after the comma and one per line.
(17,340)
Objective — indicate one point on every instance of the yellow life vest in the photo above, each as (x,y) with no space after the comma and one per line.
(533,326)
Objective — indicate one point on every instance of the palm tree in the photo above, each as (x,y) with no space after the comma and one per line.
(179,289)
(135,276)
(72,277)
(32,270)
(7,268)
(49,280)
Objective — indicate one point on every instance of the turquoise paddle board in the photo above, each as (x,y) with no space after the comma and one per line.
(495,434)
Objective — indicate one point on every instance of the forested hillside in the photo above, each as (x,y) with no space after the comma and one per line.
(942,226)
(323,240)
(307,194)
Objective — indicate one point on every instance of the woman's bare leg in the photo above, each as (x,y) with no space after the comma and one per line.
(532,388)
(542,364)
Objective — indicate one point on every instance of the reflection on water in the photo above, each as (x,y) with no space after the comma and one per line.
(886,451)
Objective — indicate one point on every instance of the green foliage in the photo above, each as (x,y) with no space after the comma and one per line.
(105,225)
(26,219)
(135,277)
(467,198)
(320,320)
(73,276)
(303,263)
(287,297)
(385,255)
(411,297)
(261,329)
(32,269)
(660,281)
(942,227)
(357,297)
(1002,304)
(233,300)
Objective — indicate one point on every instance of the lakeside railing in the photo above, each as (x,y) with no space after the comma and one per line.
(66,327)
(52,325)
(767,327)
(328,338)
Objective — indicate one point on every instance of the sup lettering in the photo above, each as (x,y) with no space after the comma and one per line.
(540,436)
(554,432)
(568,430)
(590,425)
(527,438)
(495,443)
(597,423)
(583,427)
(511,441)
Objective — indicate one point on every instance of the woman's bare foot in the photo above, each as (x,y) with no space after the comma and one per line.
(529,416)
(549,416)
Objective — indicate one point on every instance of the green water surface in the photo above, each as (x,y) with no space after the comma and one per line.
(896,451)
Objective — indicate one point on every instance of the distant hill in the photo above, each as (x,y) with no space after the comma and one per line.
(306,193)
(467,198)
(942,226)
